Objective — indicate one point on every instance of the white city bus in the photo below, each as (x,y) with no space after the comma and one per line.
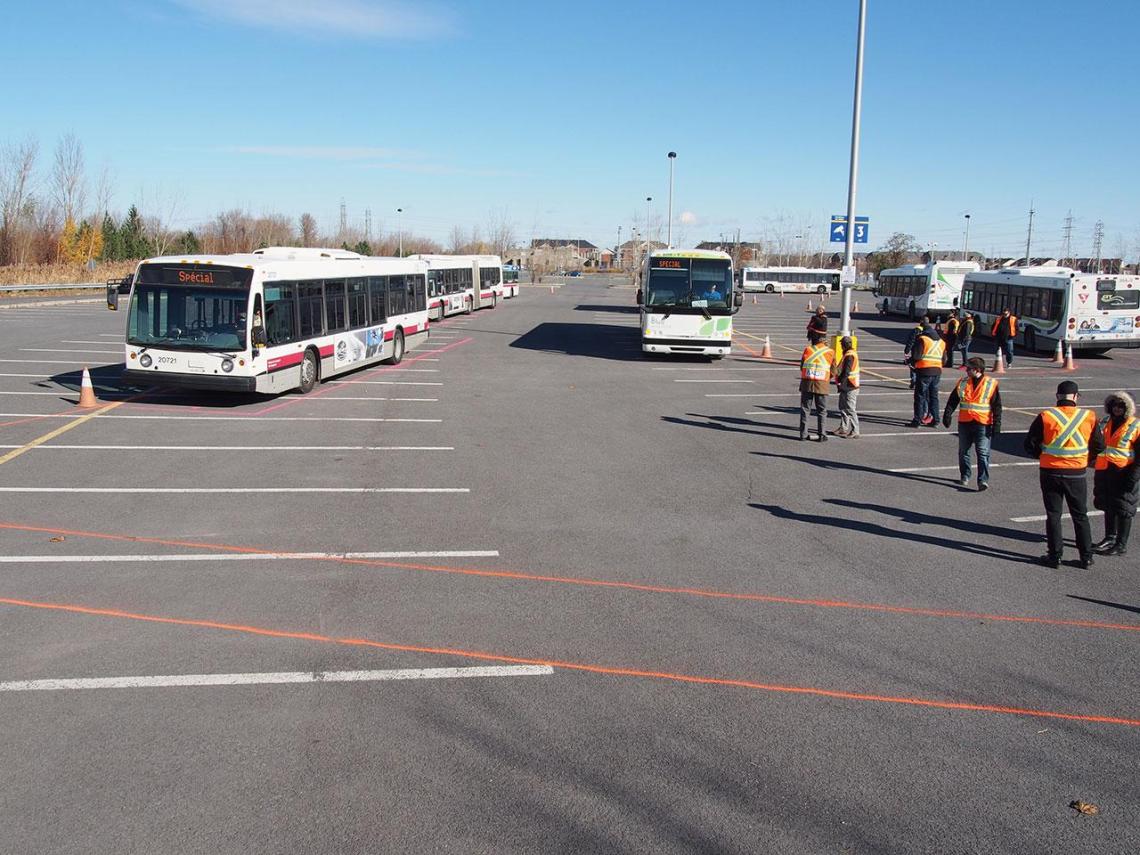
(451,283)
(789,280)
(192,321)
(510,280)
(687,302)
(1089,312)
(915,290)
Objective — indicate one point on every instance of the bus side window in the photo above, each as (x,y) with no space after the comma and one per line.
(280,313)
(377,299)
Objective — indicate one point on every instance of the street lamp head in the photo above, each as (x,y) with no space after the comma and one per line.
(672,155)
(648,198)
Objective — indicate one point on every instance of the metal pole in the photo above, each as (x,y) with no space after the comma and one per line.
(400,229)
(669,239)
(617,250)
(966,246)
(1029,235)
(648,199)
(853,180)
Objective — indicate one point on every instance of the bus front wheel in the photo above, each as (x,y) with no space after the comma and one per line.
(1031,340)
(821,290)
(309,372)
(397,348)
(911,312)
(769,289)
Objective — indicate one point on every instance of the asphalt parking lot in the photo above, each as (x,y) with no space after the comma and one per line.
(694,632)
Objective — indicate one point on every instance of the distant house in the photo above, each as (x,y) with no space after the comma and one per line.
(631,252)
(547,254)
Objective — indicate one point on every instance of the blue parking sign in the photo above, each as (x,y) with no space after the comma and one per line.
(838,229)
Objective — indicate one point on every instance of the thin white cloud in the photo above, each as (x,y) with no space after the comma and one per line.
(688,218)
(323,152)
(362,19)
(443,169)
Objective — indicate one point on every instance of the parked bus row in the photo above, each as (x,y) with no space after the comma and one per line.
(285,318)
(788,280)
(1087,312)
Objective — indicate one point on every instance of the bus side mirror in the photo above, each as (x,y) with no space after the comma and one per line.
(738,299)
(113,297)
(640,294)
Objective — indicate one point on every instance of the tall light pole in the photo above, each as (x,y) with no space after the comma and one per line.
(400,229)
(669,239)
(966,245)
(853,179)
(648,232)
(617,250)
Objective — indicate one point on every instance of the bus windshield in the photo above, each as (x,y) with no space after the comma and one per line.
(190,318)
(684,282)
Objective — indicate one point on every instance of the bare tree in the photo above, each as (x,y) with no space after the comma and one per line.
(68,183)
(17,163)
(308,230)
(456,240)
(500,233)
(158,221)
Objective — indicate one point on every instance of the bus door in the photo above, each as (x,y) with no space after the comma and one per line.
(477,290)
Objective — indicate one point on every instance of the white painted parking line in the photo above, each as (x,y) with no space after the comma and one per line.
(715,381)
(47,447)
(211,490)
(61,361)
(232,419)
(863,395)
(82,341)
(68,350)
(183,680)
(1042,517)
(955,468)
(252,556)
(384,383)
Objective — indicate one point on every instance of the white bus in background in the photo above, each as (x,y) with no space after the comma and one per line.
(1089,312)
(191,320)
(790,280)
(451,283)
(511,280)
(687,302)
(915,290)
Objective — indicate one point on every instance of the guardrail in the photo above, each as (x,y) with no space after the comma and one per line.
(60,287)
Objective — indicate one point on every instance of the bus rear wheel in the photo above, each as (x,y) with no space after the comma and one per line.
(397,349)
(1031,340)
(309,373)
(821,290)
(469,306)
(769,289)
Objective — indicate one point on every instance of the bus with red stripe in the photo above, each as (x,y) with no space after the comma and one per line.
(452,280)
(270,321)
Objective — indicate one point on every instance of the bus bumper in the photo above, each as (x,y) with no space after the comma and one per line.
(216,382)
(706,347)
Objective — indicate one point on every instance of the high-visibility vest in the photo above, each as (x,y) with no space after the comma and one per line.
(967,328)
(1066,437)
(853,374)
(931,352)
(952,326)
(816,362)
(1119,444)
(1012,319)
(974,400)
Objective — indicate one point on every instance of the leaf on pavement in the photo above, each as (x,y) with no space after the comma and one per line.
(1087,808)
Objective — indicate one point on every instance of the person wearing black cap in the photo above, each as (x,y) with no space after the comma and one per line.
(1064,439)
(926,361)
(979,420)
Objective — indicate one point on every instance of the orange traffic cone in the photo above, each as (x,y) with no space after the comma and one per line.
(87,391)
(753,299)
(999,363)
(855,308)
(781,292)
(1059,354)
(1070,365)
(766,353)
(809,308)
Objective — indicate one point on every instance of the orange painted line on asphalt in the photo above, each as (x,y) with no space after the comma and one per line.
(36,418)
(607,670)
(605,583)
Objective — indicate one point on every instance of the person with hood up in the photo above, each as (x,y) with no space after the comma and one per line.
(1116,479)
(926,360)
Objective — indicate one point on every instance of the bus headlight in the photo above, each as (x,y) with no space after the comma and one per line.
(145,360)
(227,365)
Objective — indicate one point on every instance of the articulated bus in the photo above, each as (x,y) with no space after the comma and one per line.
(451,283)
(915,290)
(270,321)
(789,280)
(1089,312)
(687,302)
(510,280)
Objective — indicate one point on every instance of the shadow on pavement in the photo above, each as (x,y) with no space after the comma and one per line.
(910,536)
(1111,605)
(970,526)
(606,307)
(600,341)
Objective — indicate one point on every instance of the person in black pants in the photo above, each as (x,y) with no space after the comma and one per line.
(1065,438)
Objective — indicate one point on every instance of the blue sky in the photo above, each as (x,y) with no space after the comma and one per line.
(560,116)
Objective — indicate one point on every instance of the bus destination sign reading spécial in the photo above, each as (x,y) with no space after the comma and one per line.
(669,263)
(208,276)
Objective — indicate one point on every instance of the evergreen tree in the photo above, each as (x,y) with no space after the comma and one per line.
(132,237)
(112,243)
(363,247)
